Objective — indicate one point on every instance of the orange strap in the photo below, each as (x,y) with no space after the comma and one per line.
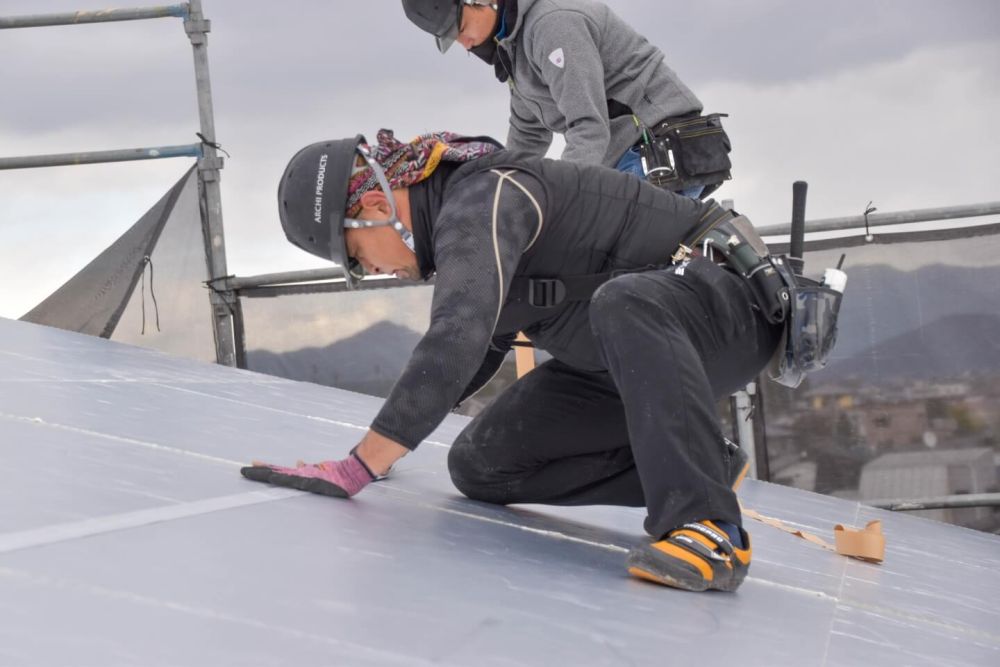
(524,357)
(867,544)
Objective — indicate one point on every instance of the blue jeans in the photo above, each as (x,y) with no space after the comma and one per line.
(631,163)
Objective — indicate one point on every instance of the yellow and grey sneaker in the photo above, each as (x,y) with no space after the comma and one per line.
(695,557)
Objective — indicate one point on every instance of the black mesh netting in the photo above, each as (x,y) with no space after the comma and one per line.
(147,288)
(909,405)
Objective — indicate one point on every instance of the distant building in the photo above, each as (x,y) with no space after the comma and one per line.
(985,410)
(893,425)
(939,390)
(800,474)
(831,397)
(934,473)
(782,441)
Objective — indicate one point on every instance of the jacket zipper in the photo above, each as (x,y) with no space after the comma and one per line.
(513,86)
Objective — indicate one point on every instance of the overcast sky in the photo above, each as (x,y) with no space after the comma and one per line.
(895,101)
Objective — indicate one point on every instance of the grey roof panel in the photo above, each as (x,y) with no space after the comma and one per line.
(127,537)
(932,457)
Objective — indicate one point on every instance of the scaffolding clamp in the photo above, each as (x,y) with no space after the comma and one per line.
(209,166)
(196,29)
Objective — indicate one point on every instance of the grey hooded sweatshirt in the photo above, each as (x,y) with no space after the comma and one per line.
(566,60)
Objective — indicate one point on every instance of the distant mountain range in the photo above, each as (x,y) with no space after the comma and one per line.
(948,348)
(882,303)
(938,321)
(368,362)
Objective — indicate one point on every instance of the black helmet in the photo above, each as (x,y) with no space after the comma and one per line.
(312,196)
(440,18)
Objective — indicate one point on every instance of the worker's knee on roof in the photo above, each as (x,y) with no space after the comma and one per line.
(472,472)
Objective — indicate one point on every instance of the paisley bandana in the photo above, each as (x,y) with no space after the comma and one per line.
(408,164)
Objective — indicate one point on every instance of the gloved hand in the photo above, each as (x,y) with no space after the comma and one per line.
(341,479)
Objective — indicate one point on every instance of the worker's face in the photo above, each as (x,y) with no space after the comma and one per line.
(476,25)
(381,250)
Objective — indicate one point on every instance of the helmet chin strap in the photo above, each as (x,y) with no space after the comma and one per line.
(393,221)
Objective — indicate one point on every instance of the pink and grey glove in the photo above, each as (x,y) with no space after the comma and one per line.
(341,479)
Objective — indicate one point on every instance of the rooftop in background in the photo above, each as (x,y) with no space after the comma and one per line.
(945,457)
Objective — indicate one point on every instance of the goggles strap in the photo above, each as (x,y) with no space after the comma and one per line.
(393,221)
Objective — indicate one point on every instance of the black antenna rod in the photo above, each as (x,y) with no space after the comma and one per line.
(797,240)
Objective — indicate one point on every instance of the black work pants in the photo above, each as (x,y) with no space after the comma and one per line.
(646,432)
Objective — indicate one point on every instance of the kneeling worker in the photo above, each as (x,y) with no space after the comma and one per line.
(597,268)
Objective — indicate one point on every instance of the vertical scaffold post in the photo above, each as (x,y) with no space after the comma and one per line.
(223,301)
(742,407)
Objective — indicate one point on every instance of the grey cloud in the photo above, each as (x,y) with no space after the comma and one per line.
(782,40)
(271,58)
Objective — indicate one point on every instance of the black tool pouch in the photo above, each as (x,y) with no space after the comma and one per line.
(810,328)
(687,152)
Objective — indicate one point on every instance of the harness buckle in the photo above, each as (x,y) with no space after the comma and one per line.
(546,292)
(683,252)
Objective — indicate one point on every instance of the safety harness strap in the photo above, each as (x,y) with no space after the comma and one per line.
(549,292)
(552,292)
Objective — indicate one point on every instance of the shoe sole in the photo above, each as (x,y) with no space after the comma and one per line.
(671,573)
(646,564)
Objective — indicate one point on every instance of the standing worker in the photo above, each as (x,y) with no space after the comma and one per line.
(652,305)
(575,68)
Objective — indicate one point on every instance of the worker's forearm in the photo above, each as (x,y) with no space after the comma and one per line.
(379,452)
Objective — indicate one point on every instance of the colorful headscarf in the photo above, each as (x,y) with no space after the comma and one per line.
(408,164)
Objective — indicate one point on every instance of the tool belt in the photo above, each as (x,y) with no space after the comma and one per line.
(807,308)
(731,236)
(687,151)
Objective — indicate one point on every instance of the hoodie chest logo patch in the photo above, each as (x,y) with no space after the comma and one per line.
(557,58)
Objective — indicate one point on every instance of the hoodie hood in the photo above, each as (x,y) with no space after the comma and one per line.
(520,9)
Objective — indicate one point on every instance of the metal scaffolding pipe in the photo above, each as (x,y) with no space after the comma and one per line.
(741,403)
(320,288)
(98,16)
(95,157)
(882,219)
(292,290)
(224,303)
(284,278)
(940,502)
(309,281)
